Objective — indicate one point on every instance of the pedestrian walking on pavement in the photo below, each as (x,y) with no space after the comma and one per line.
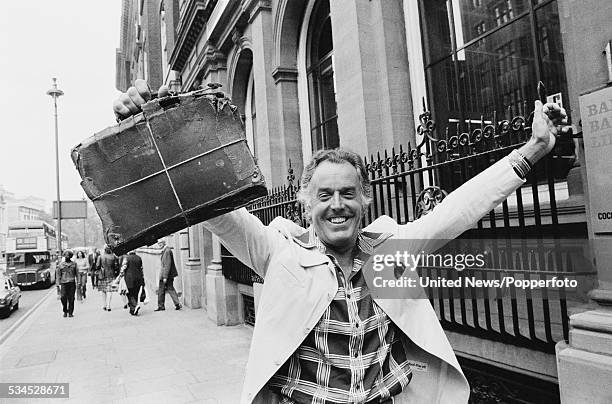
(83,268)
(107,263)
(94,270)
(131,270)
(68,278)
(123,290)
(166,278)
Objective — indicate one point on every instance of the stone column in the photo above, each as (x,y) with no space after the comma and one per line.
(205,246)
(285,79)
(270,140)
(181,253)
(585,364)
(372,77)
(222,294)
(192,281)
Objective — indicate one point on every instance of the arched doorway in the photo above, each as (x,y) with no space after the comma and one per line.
(243,95)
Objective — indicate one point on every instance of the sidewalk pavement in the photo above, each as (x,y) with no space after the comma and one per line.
(113,357)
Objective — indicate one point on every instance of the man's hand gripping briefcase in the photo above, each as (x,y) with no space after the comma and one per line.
(181,161)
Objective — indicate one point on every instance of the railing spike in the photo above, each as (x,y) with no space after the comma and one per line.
(495,123)
(533,262)
(570,263)
(518,261)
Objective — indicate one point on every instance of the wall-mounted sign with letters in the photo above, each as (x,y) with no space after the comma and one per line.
(596,115)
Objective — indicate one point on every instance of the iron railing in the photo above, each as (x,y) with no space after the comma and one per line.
(409,181)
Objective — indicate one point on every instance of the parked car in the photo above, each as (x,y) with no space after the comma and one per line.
(9,295)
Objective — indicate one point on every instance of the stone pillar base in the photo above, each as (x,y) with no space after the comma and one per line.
(585,365)
(257,288)
(192,284)
(223,297)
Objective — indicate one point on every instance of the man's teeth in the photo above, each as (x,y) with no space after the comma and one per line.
(337,220)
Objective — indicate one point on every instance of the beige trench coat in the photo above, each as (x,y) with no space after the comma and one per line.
(300,283)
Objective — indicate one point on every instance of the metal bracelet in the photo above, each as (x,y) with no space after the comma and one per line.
(520,163)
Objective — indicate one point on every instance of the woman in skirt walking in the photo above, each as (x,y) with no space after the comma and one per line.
(82,264)
(108,265)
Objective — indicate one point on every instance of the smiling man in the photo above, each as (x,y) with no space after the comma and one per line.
(335,202)
(320,335)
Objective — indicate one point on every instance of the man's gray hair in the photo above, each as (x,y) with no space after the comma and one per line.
(337,156)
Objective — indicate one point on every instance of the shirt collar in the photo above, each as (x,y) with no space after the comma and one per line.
(366,241)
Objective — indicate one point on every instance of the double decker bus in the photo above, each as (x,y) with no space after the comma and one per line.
(31,252)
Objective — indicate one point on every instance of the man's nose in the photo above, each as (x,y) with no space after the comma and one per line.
(336,201)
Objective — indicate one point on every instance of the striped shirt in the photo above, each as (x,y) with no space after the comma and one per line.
(354,354)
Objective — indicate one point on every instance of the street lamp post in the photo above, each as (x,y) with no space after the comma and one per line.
(55,93)
(85,225)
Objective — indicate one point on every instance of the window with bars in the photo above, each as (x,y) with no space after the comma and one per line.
(494,64)
(488,55)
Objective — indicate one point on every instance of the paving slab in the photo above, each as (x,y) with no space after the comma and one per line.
(112,357)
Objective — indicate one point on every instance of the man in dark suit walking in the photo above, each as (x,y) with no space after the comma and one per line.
(166,278)
(131,270)
(94,269)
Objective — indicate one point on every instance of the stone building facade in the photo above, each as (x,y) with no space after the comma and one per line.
(313,74)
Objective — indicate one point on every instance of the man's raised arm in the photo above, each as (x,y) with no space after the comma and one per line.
(462,208)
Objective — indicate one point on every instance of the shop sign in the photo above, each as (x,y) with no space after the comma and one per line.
(596,115)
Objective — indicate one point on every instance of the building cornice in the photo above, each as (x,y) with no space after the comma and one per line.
(254,7)
(212,59)
(190,27)
(235,19)
(284,74)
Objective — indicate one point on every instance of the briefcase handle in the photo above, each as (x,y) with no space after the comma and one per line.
(173,99)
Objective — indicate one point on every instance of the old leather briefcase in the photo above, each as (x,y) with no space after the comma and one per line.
(181,161)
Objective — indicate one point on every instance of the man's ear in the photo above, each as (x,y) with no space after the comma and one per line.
(308,213)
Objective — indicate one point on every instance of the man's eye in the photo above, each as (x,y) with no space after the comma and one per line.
(323,196)
(349,194)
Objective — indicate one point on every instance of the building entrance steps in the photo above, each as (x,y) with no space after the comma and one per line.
(167,357)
